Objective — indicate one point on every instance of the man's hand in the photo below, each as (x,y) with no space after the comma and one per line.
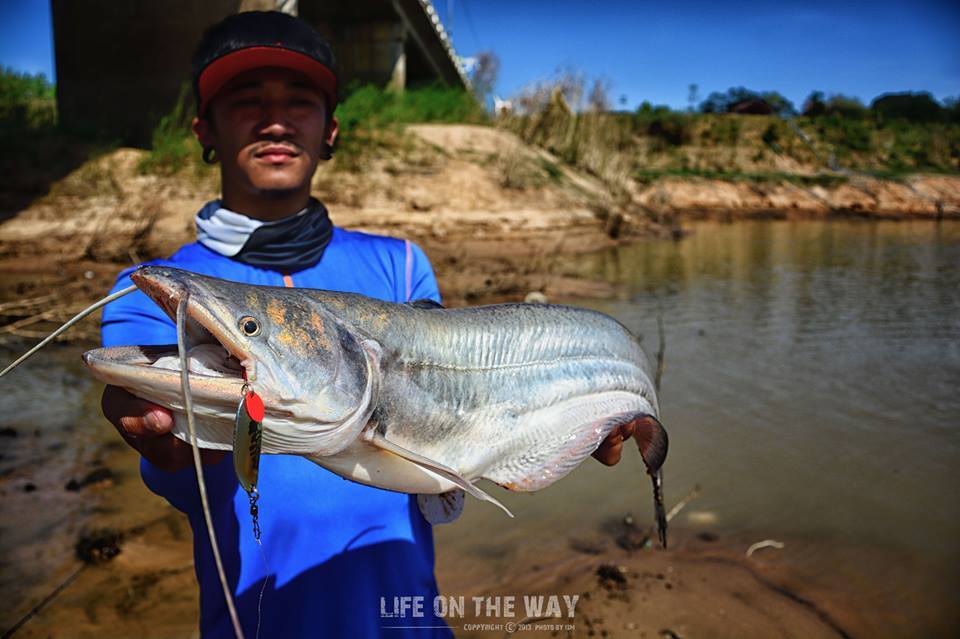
(612,447)
(146,427)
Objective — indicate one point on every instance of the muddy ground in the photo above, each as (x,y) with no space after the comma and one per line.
(703,585)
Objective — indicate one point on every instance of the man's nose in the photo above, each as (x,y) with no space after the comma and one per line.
(275,121)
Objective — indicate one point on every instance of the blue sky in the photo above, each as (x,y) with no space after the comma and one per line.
(654,51)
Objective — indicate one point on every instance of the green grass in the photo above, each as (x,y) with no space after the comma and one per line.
(826,180)
(552,170)
(371,118)
(370,106)
(172,145)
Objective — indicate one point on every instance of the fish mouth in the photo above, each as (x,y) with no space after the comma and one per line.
(218,363)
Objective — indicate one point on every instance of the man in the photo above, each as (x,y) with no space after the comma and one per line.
(266,88)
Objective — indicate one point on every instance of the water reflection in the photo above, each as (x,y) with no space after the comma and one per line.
(811,387)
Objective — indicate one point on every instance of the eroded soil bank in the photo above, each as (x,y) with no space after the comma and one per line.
(492,213)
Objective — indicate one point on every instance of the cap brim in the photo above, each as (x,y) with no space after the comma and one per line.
(225,68)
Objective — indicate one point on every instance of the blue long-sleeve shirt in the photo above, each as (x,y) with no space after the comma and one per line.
(332,548)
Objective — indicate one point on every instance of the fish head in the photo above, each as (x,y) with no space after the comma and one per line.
(315,376)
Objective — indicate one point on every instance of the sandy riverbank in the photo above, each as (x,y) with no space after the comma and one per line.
(702,586)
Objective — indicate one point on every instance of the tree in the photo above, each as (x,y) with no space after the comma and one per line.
(846,106)
(919,107)
(693,96)
(17,87)
(484,76)
(780,104)
(718,102)
(599,98)
(723,102)
(814,105)
(952,107)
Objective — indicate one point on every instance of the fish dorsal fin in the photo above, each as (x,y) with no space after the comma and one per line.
(381,442)
(425,304)
(443,508)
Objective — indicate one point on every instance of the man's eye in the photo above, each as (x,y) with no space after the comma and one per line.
(245,102)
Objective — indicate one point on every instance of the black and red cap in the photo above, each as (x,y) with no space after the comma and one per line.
(257,39)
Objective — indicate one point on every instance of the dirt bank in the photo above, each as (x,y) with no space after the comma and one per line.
(491,212)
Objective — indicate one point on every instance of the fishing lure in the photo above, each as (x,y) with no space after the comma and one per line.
(247,437)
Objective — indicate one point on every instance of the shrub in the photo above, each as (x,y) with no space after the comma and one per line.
(671,128)
(172,144)
(771,135)
(27,101)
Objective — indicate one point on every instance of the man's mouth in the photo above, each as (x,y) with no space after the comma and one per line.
(276,153)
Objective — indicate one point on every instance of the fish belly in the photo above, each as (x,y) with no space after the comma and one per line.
(546,444)
(366,464)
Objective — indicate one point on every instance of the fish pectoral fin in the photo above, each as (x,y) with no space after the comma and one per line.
(443,508)
(380,441)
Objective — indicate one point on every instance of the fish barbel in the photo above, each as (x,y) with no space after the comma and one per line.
(408,397)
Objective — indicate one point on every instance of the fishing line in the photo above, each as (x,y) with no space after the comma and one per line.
(188,408)
(79,316)
(50,597)
(263,586)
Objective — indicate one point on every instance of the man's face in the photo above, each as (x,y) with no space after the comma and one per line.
(270,128)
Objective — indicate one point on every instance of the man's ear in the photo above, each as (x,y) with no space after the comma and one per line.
(203,131)
(332,129)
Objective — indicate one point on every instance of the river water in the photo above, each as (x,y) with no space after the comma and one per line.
(811,388)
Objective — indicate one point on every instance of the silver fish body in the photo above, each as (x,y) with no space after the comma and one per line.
(515,393)
(408,397)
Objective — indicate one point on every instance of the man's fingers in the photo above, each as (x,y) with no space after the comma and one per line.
(171,454)
(153,424)
(134,417)
(146,427)
(610,449)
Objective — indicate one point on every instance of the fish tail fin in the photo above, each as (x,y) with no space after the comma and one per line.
(651,438)
(653,443)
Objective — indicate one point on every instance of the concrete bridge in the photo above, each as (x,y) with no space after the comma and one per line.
(121,65)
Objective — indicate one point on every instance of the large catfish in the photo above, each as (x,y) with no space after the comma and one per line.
(408,397)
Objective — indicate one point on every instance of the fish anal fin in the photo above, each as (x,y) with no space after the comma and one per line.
(380,441)
(570,434)
(443,508)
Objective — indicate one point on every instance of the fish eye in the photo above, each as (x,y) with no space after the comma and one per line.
(249,326)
